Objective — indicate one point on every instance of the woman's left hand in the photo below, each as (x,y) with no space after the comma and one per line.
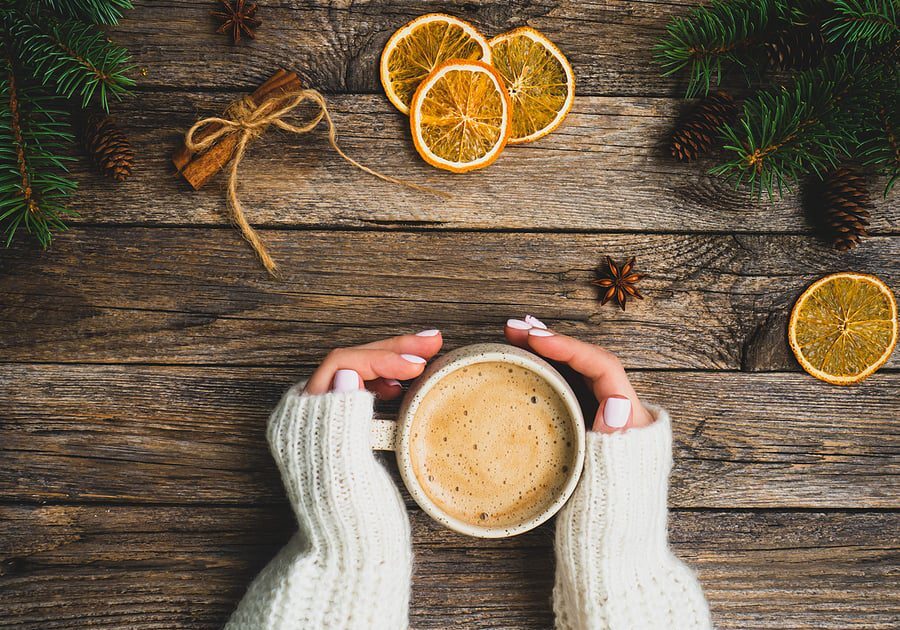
(378,366)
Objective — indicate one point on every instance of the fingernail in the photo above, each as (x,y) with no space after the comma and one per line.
(392,382)
(540,332)
(432,332)
(345,381)
(534,321)
(616,412)
(518,324)
(413,358)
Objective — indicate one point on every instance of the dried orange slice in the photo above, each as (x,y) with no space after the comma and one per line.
(460,116)
(539,79)
(422,45)
(844,327)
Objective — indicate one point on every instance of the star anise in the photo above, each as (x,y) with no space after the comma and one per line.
(619,282)
(238,17)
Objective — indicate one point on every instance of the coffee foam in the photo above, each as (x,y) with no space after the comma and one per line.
(492,444)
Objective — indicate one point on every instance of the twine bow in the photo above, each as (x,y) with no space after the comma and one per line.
(249,120)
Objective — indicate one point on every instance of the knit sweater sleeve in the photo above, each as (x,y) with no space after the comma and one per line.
(349,565)
(614,568)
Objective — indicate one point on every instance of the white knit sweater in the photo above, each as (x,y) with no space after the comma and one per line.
(614,568)
(349,565)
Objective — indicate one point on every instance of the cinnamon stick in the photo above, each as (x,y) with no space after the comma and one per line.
(198,169)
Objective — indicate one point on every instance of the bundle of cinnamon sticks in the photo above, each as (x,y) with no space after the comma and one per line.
(199,168)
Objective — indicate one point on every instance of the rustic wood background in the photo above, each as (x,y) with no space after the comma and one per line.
(140,355)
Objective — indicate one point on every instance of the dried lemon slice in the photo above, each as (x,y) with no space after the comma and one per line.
(460,116)
(844,327)
(420,46)
(539,79)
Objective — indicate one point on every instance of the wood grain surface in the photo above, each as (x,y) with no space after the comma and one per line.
(335,45)
(141,354)
(606,169)
(197,435)
(187,567)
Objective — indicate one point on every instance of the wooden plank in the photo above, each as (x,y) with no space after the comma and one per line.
(165,567)
(336,46)
(197,435)
(605,169)
(199,296)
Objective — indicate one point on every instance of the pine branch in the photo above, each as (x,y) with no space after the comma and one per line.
(713,38)
(75,57)
(33,187)
(863,23)
(880,146)
(785,134)
(97,11)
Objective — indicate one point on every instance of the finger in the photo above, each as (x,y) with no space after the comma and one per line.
(516,332)
(587,359)
(605,373)
(422,344)
(370,364)
(385,388)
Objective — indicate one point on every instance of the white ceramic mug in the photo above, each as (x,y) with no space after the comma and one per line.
(389,435)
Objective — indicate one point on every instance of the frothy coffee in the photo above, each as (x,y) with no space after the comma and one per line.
(492,444)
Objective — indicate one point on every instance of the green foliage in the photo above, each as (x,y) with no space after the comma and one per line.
(786,132)
(712,39)
(844,109)
(33,137)
(880,143)
(96,11)
(863,23)
(52,55)
(75,57)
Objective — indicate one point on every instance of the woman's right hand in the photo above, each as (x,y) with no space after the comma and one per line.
(620,407)
(378,366)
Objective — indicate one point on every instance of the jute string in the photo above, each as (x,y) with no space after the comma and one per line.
(250,121)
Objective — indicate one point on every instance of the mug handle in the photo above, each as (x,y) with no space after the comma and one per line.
(383,434)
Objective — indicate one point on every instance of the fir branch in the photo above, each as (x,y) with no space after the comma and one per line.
(713,38)
(97,11)
(76,58)
(863,23)
(880,146)
(33,187)
(786,133)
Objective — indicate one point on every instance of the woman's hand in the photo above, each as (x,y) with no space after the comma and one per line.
(378,366)
(620,407)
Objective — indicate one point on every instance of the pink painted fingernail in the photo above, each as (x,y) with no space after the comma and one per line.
(432,332)
(412,358)
(534,321)
(392,382)
(616,412)
(540,332)
(345,381)
(518,324)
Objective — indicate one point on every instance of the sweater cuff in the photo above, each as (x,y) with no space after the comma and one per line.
(322,447)
(630,469)
(342,419)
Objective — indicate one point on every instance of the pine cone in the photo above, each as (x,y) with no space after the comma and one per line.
(842,208)
(795,48)
(107,146)
(698,131)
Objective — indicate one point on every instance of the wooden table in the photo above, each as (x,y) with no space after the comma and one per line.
(142,352)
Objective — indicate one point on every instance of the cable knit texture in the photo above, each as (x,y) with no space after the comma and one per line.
(349,565)
(614,569)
